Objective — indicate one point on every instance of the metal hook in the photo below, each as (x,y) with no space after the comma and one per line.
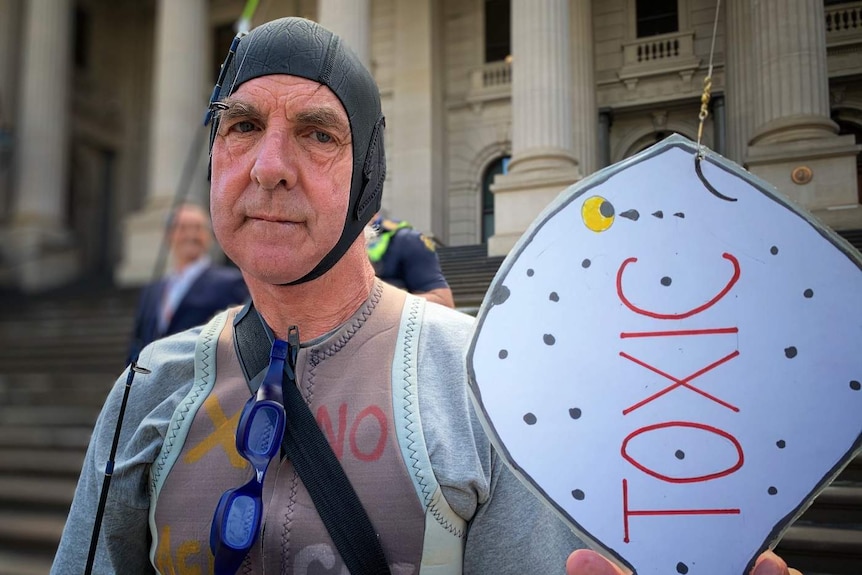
(705,182)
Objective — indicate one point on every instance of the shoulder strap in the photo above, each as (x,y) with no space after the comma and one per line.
(312,456)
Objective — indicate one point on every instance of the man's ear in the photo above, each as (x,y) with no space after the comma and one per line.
(373,175)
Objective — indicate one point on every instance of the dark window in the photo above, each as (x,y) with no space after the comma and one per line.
(81,39)
(498,166)
(223,36)
(498,30)
(656,17)
(856,131)
(834,2)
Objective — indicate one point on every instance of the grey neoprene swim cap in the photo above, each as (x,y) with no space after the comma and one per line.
(300,47)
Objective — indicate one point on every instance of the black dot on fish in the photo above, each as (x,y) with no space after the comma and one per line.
(501,294)
(633,215)
(680,454)
(530,419)
(781,444)
(549,339)
(772,490)
(681,568)
(790,352)
(680,215)
(666,281)
(503,354)
(554,296)
(659,214)
(809,293)
(530,273)
(855,385)
(773,250)
(575,412)
(606,209)
(586,263)
(578,494)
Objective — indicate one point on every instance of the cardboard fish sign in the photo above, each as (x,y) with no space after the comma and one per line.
(673,362)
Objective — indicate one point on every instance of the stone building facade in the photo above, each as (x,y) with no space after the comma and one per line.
(493,107)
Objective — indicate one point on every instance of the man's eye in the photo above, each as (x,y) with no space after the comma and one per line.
(244,126)
(322,137)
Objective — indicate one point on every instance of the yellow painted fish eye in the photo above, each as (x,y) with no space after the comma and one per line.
(597,213)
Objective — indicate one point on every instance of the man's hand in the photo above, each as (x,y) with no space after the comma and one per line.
(585,562)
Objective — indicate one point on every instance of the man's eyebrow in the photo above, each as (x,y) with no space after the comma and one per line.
(323,117)
(231,108)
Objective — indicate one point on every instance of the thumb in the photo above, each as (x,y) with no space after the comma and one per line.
(768,563)
(586,562)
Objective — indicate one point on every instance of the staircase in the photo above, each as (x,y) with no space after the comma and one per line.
(60,354)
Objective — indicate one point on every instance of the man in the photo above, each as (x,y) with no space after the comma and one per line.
(406,258)
(194,290)
(297,171)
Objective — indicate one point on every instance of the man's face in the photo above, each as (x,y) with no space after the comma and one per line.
(190,235)
(281,167)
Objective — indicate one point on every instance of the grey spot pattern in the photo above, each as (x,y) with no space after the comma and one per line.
(659,214)
(578,494)
(631,214)
(772,490)
(809,293)
(781,444)
(680,454)
(530,419)
(855,385)
(666,281)
(503,354)
(606,209)
(554,296)
(549,339)
(586,263)
(681,568)
(501,294)
(773,250)
(790,352)
(575,412)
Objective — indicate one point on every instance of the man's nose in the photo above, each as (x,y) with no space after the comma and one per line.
(274,164)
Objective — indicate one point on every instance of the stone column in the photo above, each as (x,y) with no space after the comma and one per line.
(585,122)
(415,120)
(544,160)
(793,135)
(180,94)
(39,245)
(719,123)
(740,79)
(10,14)
(606,119)
(350,19)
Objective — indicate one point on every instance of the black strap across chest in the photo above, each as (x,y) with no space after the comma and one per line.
(308,449)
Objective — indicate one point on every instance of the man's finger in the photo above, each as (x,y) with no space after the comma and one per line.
(586,562)
(768,563)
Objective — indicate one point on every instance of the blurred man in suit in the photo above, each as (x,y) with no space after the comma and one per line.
(194,290)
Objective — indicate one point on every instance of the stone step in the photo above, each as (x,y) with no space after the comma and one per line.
(836,505)
(32,532)
(46,462)
(46,389)
(75,437)
(29,492)
(15,562)
(48,415)
(828,550)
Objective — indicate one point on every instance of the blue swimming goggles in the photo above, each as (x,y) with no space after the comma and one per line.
(237,519)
